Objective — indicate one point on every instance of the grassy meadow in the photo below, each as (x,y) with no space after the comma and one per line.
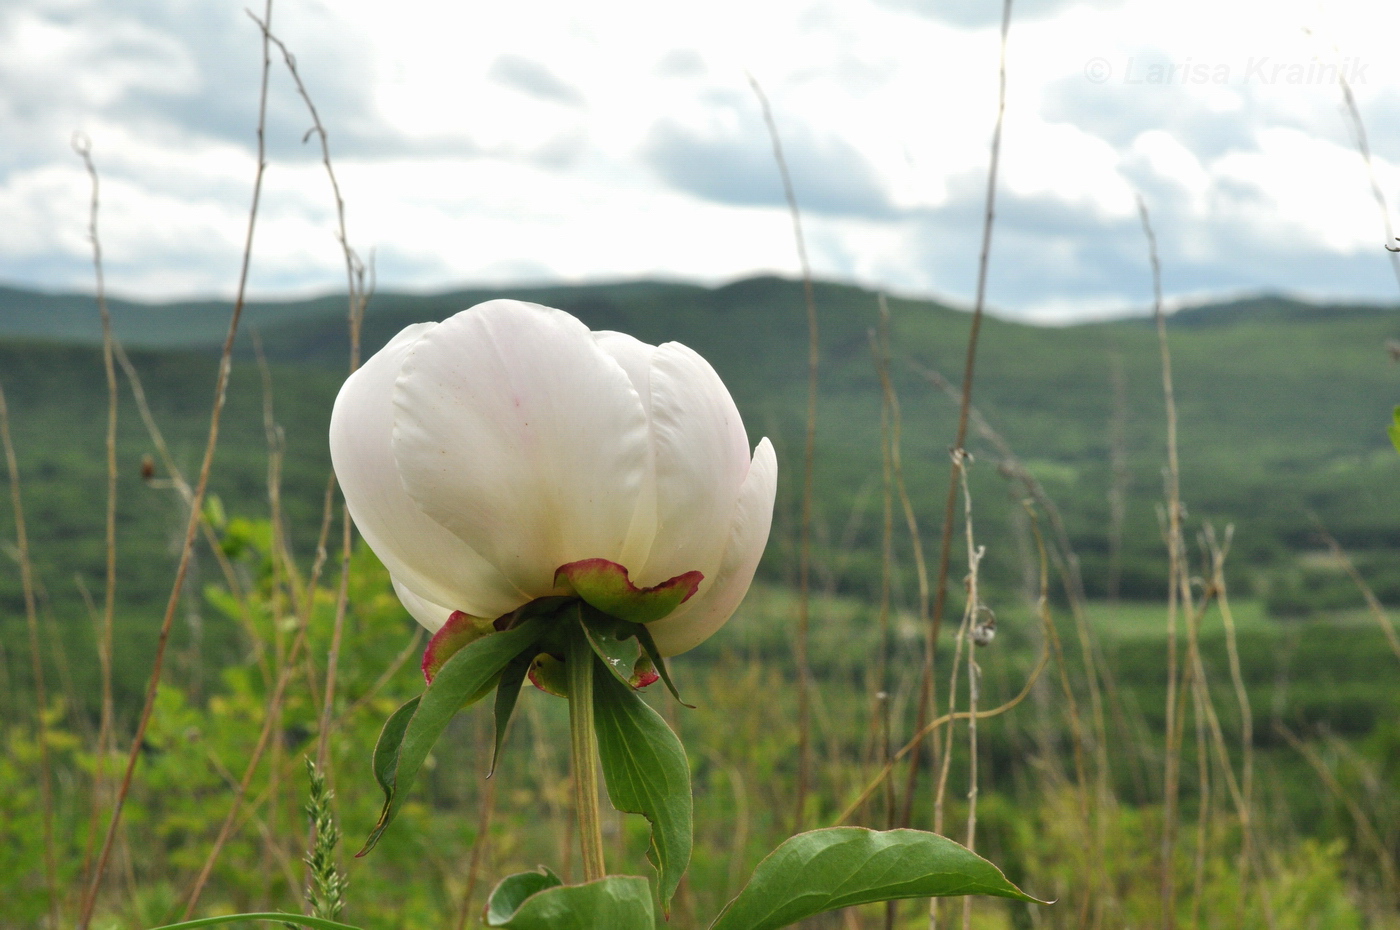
(1286,747)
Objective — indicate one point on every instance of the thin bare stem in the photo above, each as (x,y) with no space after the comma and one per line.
(1118,469)
(358,298)
(1175,594)
(26,574)
(197,504)
(1363,146)
(935,619)
(804,547)
(1389,872)
(479,846)
(83,146)
(917,739)
(1372,602)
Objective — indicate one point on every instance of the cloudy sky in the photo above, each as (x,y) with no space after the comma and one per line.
(544,140)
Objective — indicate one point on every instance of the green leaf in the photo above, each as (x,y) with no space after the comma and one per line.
(512,891)
(614,641)
(824,870)
(507,693)
(468,672)
(1394,429)
(649,646)
(618,902)
(386,751)
(317,923)
(647,773)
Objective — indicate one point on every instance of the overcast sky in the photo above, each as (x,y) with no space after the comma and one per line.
(558,141)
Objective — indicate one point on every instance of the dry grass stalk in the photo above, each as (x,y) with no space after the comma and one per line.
(804,548)
(358,292)
(83,146)
(960,645)
(1178,590)
(935,619)
(978,632)
(889,413)
(1096,670)
(1363,146)
(1118,468)
(187,548)
(479,847)
(916,740)
(1373,603)
(26,574)
(1390,876)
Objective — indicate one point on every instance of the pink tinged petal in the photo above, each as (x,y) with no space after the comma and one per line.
(635,358)
(702,456)
(459,630)
(517,433)
(429,615)
(697,620)
(604,585)
(427,559)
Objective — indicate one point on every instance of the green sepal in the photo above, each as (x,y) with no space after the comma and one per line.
(1394,429)
(825,870)
(649,647)
(386,750)
(507,693)
(614,641)
(647,773)
(473,668)
(617,902)
(607,586)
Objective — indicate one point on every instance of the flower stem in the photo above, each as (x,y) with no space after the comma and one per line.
(584,745)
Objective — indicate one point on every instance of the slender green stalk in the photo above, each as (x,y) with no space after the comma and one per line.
(583,743)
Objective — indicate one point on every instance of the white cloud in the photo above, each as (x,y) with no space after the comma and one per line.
(549,140)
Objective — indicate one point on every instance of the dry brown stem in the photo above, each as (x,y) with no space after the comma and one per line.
(804,548)
(935,619)
(197,504)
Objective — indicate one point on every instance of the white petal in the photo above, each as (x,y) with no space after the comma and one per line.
(635,358)
(417,551)
(695,621)
(515,431)
(431,616)
(702,456)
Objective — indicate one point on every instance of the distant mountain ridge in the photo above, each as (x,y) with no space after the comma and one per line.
(71,317)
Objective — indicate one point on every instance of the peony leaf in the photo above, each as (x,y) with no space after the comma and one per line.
(647,773)
(512,891)
(824,870)
(618,902)
(606,586)
(471,671)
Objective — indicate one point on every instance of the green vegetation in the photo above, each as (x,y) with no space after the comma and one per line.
(1283,410)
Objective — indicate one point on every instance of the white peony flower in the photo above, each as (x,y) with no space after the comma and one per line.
(481,455)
